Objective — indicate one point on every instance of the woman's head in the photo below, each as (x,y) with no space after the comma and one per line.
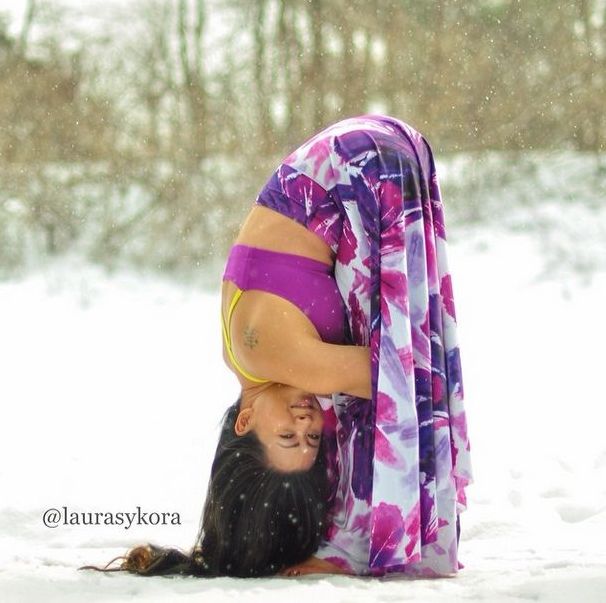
(256,519)
(288,423)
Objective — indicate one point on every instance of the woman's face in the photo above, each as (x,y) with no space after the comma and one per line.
(288,421)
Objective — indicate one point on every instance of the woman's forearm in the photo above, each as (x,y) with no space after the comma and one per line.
(336,369)
(325,368)
(307,362)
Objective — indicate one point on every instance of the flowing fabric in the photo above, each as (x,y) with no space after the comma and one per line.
(399,463)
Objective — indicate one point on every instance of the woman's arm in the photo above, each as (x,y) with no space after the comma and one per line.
(282,345)
(318,367)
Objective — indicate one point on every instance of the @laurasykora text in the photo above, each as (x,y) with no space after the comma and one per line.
(54,517)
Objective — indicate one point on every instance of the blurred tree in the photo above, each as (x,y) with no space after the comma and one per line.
(166,126)
(45,120)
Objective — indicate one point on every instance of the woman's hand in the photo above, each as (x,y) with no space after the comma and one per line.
(313,565)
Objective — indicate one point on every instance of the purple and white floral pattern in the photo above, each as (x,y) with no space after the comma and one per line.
(398,464)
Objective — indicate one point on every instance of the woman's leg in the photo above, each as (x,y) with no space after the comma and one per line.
(400,463)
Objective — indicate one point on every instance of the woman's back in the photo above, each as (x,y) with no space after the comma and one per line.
(269,229)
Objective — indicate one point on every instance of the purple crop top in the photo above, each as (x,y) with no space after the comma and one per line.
(307,283)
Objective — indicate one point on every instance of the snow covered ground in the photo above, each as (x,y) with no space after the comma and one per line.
(112,387)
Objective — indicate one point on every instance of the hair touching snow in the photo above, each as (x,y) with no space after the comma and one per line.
(256,520)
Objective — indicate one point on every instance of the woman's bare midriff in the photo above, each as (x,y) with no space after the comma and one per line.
(271,230)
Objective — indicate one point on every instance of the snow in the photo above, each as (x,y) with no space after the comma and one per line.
(113,386)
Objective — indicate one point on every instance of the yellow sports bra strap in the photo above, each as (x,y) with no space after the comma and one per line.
(227,339)
(232,305)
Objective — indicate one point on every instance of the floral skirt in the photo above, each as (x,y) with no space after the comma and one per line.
(399,463)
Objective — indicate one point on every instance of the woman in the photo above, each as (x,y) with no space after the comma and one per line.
(398,463)
(338,284)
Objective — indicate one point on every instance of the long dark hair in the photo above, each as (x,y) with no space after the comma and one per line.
(256,520)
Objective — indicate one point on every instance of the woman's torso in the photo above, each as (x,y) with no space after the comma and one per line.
(295,212)
(269,230)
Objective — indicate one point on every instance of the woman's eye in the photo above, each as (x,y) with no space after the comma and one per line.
(313,436)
